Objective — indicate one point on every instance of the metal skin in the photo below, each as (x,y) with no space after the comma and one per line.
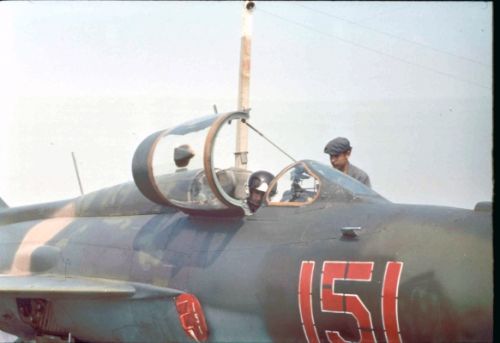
(108,267)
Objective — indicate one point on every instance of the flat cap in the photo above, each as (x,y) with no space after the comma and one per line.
(337,146)
(182,154)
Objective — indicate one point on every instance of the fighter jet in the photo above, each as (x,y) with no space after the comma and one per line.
(176,256)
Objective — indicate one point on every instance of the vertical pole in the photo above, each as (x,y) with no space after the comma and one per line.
(77,174)
(241,159)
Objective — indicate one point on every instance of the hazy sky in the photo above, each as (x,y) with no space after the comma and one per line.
(409,83)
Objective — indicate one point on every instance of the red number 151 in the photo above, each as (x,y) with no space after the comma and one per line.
(349,303)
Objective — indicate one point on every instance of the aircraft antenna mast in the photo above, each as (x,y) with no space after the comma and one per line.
(241,158)
(76,171)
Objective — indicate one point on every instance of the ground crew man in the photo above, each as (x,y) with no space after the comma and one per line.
(182,155)
(339,150)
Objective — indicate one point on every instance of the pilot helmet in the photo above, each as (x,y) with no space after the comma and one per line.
(260,181)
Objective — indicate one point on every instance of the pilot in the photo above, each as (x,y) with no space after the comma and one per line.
(182,155)
(258,184)
(339,150)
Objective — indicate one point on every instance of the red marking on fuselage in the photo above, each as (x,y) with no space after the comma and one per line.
(350,304)
(305,301)
(192,317)
(334,302)
(390,301)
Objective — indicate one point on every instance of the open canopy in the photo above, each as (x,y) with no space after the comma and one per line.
(178,167)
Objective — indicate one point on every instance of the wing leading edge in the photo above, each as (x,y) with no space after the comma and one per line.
(55,287)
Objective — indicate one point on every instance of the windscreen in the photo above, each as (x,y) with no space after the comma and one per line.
(336,177)
(296,186)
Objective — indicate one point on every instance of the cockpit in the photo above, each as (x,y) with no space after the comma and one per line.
(190,167)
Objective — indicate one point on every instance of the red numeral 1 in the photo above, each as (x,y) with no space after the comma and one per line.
(305,301)
(334,302)
(390,301)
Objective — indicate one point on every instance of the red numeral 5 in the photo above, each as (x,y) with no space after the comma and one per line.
(349,303)
(346,303)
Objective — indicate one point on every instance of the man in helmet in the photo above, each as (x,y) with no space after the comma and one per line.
(258,184)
